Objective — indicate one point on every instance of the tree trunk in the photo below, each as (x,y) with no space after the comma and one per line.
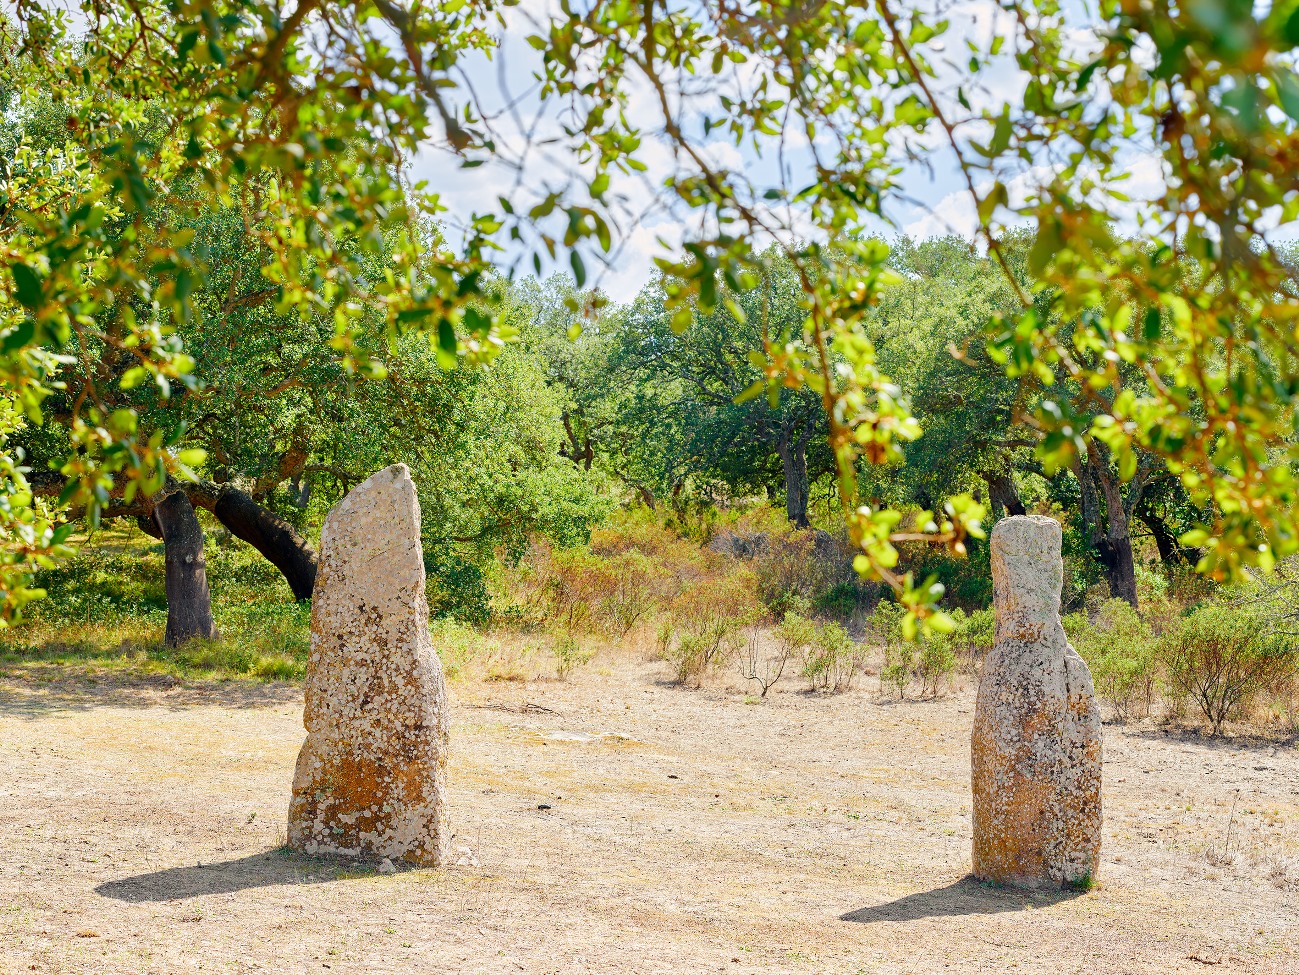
(1170,548)
(1109,525)
(793,456)
(271,535)
(1003,494)
(189,604)
(260,527)
(1120,570)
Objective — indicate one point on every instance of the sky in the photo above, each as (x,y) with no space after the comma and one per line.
(934,200)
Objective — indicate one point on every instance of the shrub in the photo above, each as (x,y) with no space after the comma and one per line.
(1119,647)
(974,636)
(886,621)
(456,645)
(696,653)
(931,659)
(1221,657)
(832,659)
(936,662)
(799,570)
(762,670)
(899,662)
(455,586)
(569,654)
(796,634)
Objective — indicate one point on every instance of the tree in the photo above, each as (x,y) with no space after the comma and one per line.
(732,432)
(307,113)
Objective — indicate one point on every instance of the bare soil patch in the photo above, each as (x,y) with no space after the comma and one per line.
(618,824)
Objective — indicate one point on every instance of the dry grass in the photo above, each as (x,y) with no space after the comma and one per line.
(686,831)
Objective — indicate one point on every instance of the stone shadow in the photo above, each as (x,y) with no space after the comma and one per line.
(280,867)
(964,897)
(55,693)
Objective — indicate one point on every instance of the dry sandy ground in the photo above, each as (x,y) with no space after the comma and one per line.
(686,831)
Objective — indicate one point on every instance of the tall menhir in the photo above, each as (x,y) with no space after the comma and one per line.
(371,776)
(1036,748)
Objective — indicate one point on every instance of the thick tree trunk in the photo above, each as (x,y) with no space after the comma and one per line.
(1003,494)
(271,535)
(1120,569)
(793,457)
(260,527)
(189,604)
(1170,548)
(1109,525)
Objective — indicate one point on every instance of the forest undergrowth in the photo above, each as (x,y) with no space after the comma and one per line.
(732,600)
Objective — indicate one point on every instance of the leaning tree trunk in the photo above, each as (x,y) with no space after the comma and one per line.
(793,456)
(271,535)
(1003,494)
(189,604)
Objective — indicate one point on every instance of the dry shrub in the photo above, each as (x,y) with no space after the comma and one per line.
(798,571)
(763,669)
(706,620)
(632,571)
(1222,657)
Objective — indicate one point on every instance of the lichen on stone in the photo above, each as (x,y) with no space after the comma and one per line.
(371,776)
(1036,745)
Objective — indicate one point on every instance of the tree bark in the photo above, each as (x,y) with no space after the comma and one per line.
(260,527)
(1107,515)
(1003,494)
(271,535)
(189,603)
(1170,548)
(793,457)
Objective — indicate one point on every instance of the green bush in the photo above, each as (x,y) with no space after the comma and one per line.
(831,659)
(886,621)
(1222,657)
(899,664)
(569,654)
(973,636)
(456,644)
(930,659)
(1119,648)
(455,586)
(936,662)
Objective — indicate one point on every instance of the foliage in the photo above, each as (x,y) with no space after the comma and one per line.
(831,658)
(1120,650)
(569,654)
(1221,657)
(1174,344)
(974,636)
(799,570)
(106,608)
(707,620)
(455,587)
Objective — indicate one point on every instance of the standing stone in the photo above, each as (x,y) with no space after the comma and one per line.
(371,776)
(1036,749)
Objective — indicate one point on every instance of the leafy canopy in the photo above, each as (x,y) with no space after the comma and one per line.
(306,113)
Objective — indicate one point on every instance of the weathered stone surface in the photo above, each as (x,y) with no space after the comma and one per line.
(1036,748)
(371,776)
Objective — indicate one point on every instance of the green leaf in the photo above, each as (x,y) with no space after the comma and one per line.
(446,345)
(27,285)
(20,336)
(133,377)
(1152,325)
(579,269)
